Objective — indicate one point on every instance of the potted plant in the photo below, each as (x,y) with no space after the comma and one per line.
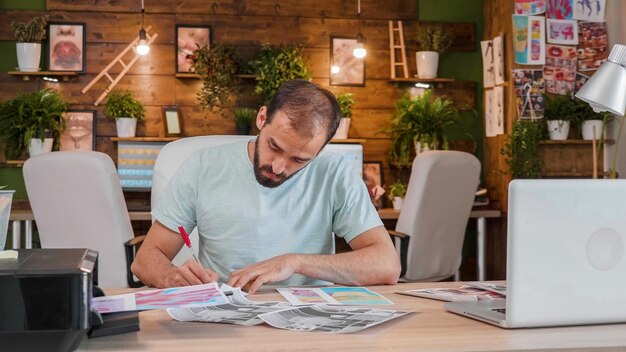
(345,105)
(216,67)
(32,121)
(125,110)
(559,112)
(29,36)
(397,190)
(521,150)
(589,121)
(432,42)
(419,123)
(244,119)
(274,66)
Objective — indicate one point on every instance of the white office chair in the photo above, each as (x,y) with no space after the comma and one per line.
(77,202)
(170,158)
(436,208)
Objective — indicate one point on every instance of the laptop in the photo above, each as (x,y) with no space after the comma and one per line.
(565,256)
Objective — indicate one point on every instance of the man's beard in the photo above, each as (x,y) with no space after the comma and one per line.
(258,171)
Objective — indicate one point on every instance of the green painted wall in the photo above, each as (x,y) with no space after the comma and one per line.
(461,65)
(23,5)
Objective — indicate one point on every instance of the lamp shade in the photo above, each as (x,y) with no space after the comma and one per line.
(606,89)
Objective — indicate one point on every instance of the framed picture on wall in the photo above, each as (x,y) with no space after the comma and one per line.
(374,180)
(66,47)
(172,121)
(345,68)
(80,130)
(188,39)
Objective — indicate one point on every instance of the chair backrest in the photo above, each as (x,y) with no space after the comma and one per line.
(170,158)
(77,202)
(435,212)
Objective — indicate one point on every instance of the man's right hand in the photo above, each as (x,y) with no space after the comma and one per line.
(190,273)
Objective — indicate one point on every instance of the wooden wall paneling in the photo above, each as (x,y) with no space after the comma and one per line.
(370,9)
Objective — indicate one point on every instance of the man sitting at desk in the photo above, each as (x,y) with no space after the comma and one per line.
(266,209)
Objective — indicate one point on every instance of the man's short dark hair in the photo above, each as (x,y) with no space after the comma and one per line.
(308,107)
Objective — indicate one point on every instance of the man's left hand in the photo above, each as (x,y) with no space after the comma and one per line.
(272,270)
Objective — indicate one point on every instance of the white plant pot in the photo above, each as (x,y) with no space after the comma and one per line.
(37,147)
(126,126)
(558,129)
(421,147)
(397,203)
(588,129)
(342,130)
(427,62)
(28,56)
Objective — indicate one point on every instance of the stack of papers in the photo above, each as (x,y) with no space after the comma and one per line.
(472,291)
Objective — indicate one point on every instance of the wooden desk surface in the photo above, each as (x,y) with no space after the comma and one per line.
(430,328)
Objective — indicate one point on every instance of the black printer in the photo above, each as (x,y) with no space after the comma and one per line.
(45,299)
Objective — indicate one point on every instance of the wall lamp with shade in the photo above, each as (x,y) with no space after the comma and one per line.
(606,91)
(359,51)
(142,48)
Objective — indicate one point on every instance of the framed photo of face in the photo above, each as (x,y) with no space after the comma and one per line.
(373,178)
(188,39)
(345,68)
(172,121)
(66,47)
(80,130)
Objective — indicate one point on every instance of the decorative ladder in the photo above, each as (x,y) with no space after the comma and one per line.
(118,60)
(393,47)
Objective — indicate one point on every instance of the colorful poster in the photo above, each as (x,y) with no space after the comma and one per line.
(529,7)
(592,45)
(560,9)
(498,60)
(529,88)
(528,40)
(486,47)
(559,71)
(589,10)
(332,295)
(580,81)
(562,32)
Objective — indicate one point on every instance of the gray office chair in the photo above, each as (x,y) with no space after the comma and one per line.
(431,225)
(78,203)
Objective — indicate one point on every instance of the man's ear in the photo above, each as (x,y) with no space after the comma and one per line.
(261,117)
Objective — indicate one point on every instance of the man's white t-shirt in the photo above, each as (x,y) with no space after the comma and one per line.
(241,222)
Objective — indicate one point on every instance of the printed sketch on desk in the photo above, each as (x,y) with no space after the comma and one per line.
(324,318)
(464,293)
(239,310)
(198,295)
(332,295)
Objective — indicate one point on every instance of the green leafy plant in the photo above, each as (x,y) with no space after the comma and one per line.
(121,103)
(217,67)
(244,119)
(397,189)
(31,115)
(521,150)
(274,66)
(345,101)
(559,107)
(31,32)
(419,119)
(433,38)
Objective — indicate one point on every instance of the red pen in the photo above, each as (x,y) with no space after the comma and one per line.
(185,237)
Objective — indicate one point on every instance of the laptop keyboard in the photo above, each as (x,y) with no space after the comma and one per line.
(500,310)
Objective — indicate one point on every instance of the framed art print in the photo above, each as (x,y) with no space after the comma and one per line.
(80,130)
(373,177)
(188,39)
(172,121)
(66,47)
(345,68)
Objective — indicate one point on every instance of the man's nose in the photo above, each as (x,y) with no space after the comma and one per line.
(278,166)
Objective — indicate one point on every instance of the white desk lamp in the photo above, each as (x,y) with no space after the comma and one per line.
(606,89)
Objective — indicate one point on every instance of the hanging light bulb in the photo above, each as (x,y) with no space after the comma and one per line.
(142,48)
(359,51)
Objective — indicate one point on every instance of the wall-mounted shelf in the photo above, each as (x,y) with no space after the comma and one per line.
(144,139)
(574,174)
(439,82)
(575,142)
(196,76)
(13,163)
(26,76)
